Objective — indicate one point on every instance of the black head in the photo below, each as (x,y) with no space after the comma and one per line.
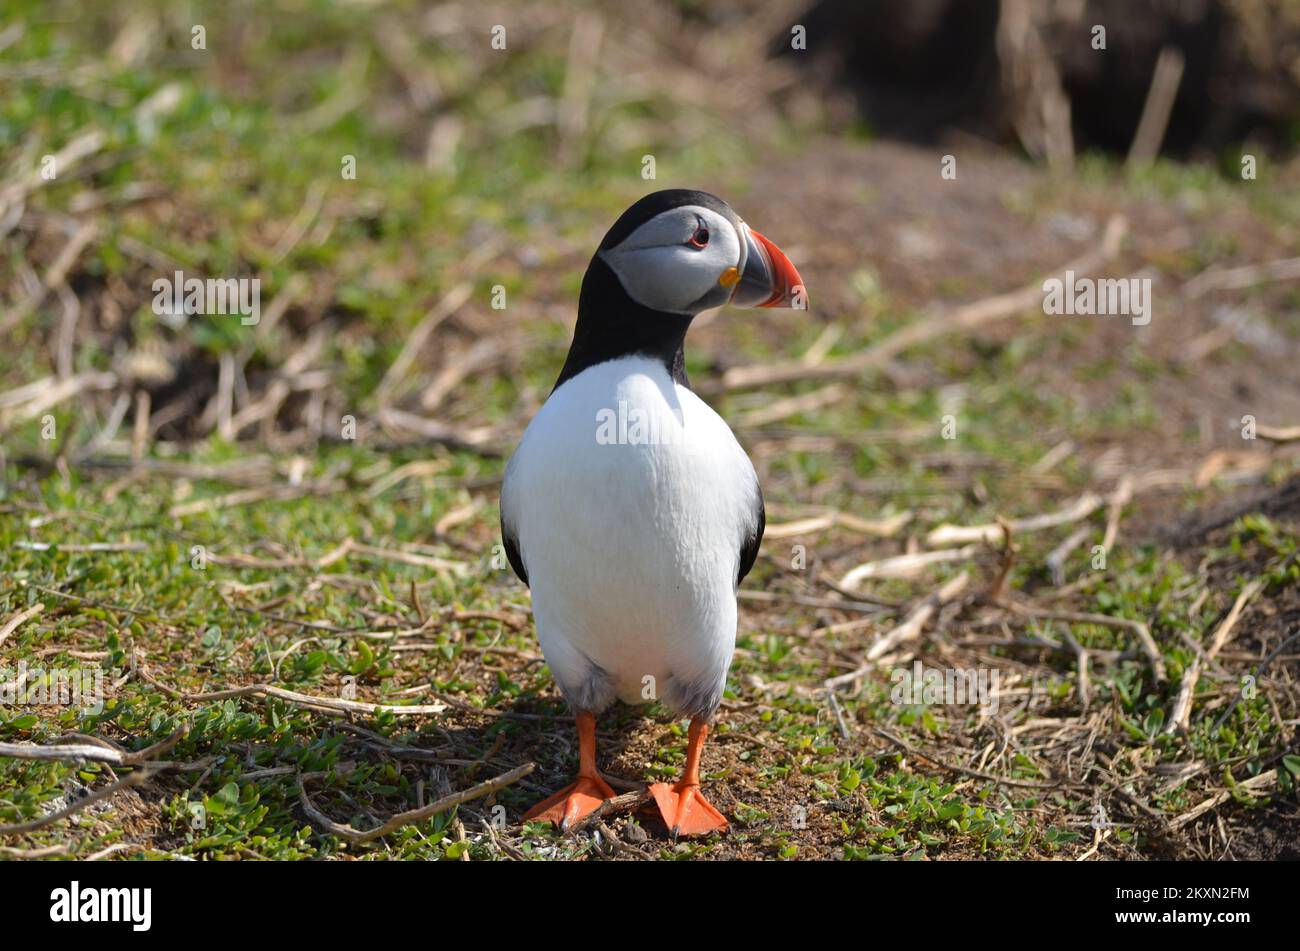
(671,255)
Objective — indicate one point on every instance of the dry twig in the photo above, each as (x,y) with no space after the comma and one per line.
(335,704)
(16,621)
(909,629)
(357,837)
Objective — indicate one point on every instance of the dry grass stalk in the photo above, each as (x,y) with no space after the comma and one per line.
(357,837)
(1180,717)
(17,620)
(1084,506)
(908,630)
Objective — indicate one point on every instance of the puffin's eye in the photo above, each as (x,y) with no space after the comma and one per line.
(701,237)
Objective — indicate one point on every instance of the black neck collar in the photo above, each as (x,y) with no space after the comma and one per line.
(612,325)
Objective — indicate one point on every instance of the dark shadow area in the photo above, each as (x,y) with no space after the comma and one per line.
(920,68)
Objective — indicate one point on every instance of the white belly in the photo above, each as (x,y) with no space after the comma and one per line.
(630,500)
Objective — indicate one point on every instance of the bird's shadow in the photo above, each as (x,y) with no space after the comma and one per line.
(539,730)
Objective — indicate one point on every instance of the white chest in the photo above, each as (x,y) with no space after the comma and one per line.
(630,500)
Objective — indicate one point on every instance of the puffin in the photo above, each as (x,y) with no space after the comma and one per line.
(629,508)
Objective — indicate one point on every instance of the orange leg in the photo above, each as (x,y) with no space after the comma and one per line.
(685,810)
(572,803)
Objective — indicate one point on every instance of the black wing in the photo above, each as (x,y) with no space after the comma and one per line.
(749,547)
(512,551)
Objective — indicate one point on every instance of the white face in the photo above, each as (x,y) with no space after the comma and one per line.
(674,260)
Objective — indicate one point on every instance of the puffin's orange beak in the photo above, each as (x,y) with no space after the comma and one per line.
(768,278)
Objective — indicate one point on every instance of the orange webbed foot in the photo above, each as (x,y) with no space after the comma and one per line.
(571,803)
(582,798)
(685,811)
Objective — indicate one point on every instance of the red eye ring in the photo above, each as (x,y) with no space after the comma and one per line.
(701,237)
